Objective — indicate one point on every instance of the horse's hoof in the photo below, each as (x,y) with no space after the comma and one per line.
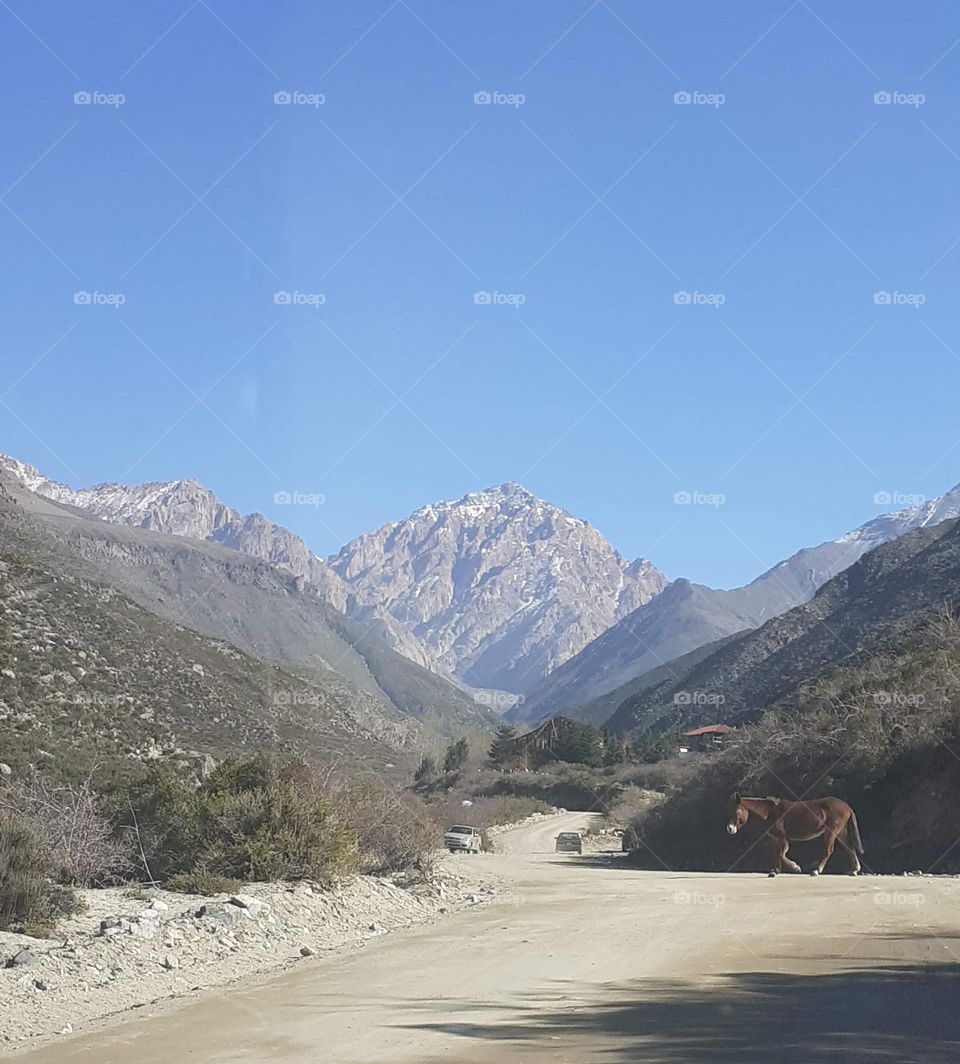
(771,875)
(815,872)
(855,872)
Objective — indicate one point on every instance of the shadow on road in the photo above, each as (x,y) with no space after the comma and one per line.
(898,1014)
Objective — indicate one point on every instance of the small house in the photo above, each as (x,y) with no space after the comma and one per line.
(709,737)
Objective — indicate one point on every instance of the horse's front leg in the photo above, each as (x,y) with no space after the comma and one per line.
(779,845)
(785,860)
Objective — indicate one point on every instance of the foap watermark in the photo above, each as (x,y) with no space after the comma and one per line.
(899,299)
(909,899)
(500,701)
(698,897)
(699,498)
(285,98)
(899,99)
(84,98)
(699,299)
(898,498)
(898,698)
(298,498)
(698,698)
(99,299)
(699,99)
(299,299)
(499,299)
(499,99)
(296,698)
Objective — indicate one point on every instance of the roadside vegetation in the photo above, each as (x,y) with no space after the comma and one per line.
(250,819)
(884,736)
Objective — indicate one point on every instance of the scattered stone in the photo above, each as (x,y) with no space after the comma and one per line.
(40,984)
(252,906)
(67,1028)
(5,769)
(221,913)
(306,951)
(171,963)
(23,957)
(159,905)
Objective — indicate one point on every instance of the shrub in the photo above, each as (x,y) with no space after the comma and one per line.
(274,832)
(394,832)
(30,902)
(252,819)
(202,883)
(71,825)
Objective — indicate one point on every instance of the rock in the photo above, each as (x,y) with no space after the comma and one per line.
(5,769)
(159,905)
(253,906)
(306,951)
(39,984)
(171,963)
(221,913)
(67,1028)
(111,925)
(377,929)
(198,669)
(22,957)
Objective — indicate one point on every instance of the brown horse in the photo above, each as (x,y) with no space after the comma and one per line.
(786,821)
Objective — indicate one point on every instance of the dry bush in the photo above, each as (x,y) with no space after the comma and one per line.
(395,832)
(70,824)
(30,902)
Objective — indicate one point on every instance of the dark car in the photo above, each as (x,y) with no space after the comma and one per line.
(569,842)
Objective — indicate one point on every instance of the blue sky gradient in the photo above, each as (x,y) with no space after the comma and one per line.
(596,200)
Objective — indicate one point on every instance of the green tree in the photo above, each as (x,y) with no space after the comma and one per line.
(457,753)
(502,750)
(426,769)
(579,744)
(614,749)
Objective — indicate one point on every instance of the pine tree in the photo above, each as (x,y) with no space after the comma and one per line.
(426,769)
(502,750)
(457,753)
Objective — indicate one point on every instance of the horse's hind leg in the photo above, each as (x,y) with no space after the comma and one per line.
(854,859)
(829,840)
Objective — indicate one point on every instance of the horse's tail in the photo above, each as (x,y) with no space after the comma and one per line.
(853,831)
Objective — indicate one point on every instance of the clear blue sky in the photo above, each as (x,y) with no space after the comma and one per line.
(797,399)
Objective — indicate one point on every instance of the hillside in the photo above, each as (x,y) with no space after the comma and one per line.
(875,607)
(85,672)
(601,709)
(689,615)
(257,607)
(493,590)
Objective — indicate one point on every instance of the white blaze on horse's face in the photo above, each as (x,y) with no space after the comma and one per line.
(731,829)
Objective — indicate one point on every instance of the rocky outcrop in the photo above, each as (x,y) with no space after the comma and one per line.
(498,588)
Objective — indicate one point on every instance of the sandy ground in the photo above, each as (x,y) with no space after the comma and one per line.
(582,959)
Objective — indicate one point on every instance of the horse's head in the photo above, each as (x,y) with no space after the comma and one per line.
(737,814)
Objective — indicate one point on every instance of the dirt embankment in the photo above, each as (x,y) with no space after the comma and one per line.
(133,947)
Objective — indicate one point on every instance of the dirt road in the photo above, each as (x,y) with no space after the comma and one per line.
(586,961)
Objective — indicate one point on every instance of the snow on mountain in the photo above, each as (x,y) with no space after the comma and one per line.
(499,587)
(493,590)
